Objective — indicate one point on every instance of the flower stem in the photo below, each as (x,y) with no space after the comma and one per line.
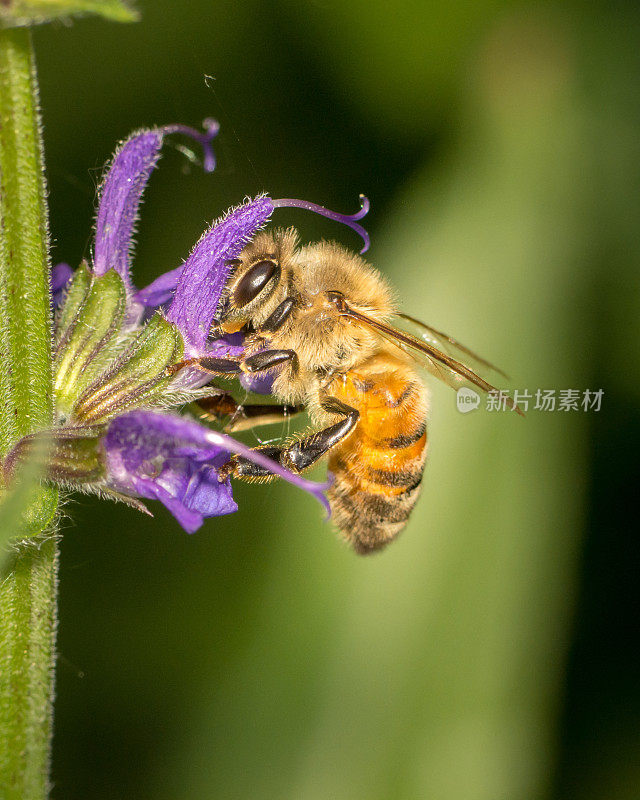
(27,639)
(25,369)
(28,582)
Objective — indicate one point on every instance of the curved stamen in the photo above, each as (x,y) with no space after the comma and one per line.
(346,219)
(211,128)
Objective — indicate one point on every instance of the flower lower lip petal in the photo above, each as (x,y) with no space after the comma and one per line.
(185,458)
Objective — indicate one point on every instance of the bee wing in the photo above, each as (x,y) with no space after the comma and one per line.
(426,350)
(445,343)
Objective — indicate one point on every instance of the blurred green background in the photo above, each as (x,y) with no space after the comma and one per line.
(492,651)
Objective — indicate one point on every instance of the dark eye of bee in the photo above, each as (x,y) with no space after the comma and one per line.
(253,282)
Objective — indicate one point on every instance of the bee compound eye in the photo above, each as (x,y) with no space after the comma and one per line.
(253,282)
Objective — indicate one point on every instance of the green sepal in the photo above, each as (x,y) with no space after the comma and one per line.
(76,459)
(68,456)
(16,13)
(80,351)
(76,294)
(137,378)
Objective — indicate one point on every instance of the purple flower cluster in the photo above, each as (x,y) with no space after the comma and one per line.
(152,454)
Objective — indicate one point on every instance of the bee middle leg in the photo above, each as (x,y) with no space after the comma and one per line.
(222,404)
(303,453)
(243,417)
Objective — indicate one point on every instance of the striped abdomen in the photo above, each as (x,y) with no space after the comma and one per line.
(378,468)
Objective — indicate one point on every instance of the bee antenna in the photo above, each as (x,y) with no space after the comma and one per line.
(347,219)
(211,128)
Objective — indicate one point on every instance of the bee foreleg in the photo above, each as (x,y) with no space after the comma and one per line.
(266,359)
(279,316)
(301,454)
(259,362)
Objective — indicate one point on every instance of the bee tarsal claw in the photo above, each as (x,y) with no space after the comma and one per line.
(228,470)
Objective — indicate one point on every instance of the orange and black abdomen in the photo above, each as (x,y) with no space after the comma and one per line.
(378,468)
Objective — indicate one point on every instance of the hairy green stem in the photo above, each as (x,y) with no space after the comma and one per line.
(27,637)
(25,369)
(28,580)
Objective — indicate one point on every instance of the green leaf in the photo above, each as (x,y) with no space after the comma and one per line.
(26,507)
(14,13)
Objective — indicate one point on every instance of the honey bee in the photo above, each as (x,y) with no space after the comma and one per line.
(320,322)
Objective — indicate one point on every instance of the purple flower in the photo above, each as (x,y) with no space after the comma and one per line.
(60,276)
(194,288)
(121,193)
(176,461)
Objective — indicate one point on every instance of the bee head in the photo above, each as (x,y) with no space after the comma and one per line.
(258,278)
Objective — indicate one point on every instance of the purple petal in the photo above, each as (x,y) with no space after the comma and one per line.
(192,493)
(160,291)
(260,382)
(119,202)
(230,345)
(122,189)
(176,461)
(205,271)
(61,274)
(156,456)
